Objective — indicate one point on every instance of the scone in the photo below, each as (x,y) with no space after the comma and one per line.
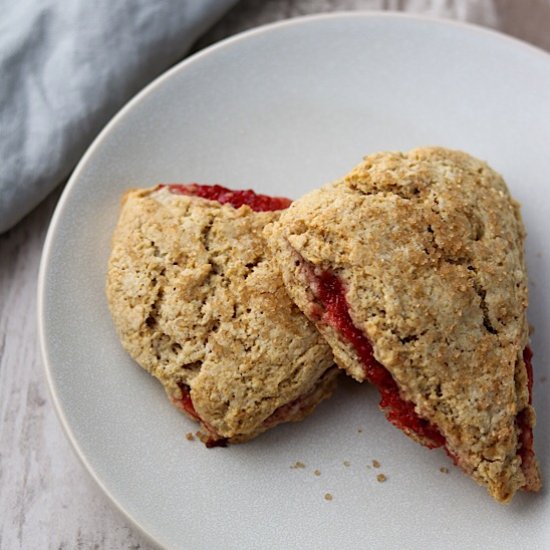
(412,268)
(198,304)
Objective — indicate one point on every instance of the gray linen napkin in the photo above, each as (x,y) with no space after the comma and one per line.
(66,66)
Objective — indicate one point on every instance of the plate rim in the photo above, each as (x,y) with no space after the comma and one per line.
(114,120)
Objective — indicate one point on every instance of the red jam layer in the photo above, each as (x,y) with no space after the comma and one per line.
(284,412)
(186,404)
(292,408)
(330,292)
(223,195)
(526,452)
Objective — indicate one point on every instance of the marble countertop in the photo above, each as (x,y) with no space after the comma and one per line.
(47,500)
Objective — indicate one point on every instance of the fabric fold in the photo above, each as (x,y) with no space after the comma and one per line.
(66,68)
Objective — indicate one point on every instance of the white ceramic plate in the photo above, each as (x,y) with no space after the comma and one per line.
(284,109)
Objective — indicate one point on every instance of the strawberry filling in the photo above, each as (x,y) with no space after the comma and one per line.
(223,195)
(185,403)
(279,415)
(329,290)
(294,408)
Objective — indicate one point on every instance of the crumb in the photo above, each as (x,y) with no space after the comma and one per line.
(375,464)
(444,470)
(381,478)
(190,437)
(347,463)
(360,431)
(297,465)
(328,496)
(317,472)
(201,437)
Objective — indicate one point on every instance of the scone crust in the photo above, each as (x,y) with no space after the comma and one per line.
(429,246)
(198,303)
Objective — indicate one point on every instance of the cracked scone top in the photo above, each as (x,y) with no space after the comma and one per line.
(197,303)
(412,268)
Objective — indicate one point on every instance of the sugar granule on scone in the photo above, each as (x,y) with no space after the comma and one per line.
(197,303)
(412,267)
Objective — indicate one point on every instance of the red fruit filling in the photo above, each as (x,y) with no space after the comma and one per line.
(283,412)
(329,290)
(296,407)
(258,203)
(185,403)
(526,452)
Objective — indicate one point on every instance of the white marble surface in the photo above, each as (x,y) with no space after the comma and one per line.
(47,500)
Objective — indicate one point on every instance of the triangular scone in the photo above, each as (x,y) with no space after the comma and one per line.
(412,268)
(197,303)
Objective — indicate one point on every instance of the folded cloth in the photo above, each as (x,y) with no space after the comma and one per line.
(66,67)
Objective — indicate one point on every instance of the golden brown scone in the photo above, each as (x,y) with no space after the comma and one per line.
(197,303)
(412,268)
